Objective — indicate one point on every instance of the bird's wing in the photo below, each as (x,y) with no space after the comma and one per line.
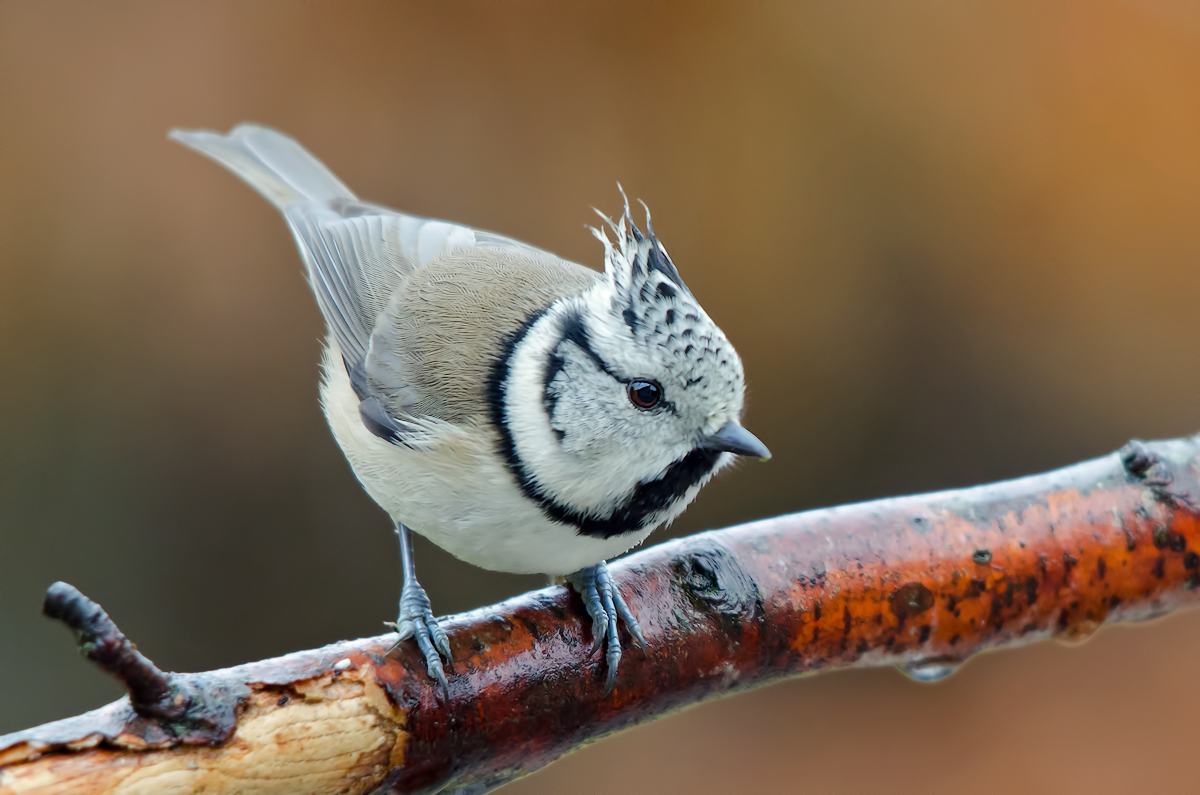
(435,346)
(361,259)
(358,255)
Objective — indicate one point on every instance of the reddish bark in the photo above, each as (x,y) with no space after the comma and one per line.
(922,582)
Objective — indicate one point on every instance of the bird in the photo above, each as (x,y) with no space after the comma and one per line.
(525,413)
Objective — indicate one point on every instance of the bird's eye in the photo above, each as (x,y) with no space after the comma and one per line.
(645,394)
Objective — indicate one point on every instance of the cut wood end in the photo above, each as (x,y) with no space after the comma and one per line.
(330,734)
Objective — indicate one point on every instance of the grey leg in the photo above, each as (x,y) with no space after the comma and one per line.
(605,605)
(416,618)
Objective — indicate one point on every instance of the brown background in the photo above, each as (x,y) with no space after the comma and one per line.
(954,242)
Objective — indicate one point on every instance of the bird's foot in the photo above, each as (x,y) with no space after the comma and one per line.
(605,604)
(416,620)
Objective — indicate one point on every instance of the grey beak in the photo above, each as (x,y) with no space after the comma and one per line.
(733,438)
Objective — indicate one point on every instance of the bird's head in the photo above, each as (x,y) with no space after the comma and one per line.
(621,402)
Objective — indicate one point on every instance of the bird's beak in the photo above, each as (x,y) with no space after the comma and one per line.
(733,438)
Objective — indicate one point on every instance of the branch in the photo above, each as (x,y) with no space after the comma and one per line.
(920,582)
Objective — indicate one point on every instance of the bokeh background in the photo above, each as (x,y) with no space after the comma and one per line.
(954,242)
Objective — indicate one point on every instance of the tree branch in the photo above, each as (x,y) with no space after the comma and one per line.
(921,582)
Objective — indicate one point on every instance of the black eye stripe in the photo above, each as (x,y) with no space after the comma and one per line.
(574,331)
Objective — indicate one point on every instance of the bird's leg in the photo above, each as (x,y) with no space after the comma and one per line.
(605,605)
(416,618)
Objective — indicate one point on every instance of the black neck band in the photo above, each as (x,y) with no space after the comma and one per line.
(643,505)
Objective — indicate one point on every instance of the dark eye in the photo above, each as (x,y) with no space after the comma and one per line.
(645,394)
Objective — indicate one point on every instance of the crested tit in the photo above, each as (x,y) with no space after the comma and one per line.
(522,412)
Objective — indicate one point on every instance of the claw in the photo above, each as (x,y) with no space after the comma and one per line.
(605,605)
(402,634)
(433,663)
(631,623)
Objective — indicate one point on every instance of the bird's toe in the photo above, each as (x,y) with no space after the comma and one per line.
(417,621)
(606,606)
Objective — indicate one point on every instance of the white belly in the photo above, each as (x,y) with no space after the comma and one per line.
(456,491)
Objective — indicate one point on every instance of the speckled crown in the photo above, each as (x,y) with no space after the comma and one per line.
(658,308)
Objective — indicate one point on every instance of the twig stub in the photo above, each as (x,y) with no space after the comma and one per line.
(184,706)
(104,644)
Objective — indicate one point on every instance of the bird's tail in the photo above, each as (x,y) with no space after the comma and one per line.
(273,164)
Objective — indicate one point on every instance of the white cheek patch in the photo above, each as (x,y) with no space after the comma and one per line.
(596,450)
(580,403)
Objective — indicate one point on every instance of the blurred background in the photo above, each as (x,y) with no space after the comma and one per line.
(953,243)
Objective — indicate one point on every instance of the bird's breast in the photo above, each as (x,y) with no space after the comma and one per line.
(453,488)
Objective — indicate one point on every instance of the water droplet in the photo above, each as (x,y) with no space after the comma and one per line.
(1077,633)
(929,670)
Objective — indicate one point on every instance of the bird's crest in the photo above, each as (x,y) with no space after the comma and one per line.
(648,291)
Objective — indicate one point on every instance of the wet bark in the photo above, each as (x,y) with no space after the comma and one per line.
(920,582)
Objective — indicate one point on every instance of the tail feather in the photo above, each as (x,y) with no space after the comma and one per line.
(270,162)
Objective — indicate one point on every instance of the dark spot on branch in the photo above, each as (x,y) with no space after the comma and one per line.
(1176,542)
(1101,568)
(1159,570)
(1161,536)
(982,556)
(531,626)
(996,610)
(1191,561)
(911,599)
(1069,562)
(1031,589)
(1136,459)
(715,582)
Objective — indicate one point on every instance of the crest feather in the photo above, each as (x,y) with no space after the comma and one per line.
(634,257)
(645,282)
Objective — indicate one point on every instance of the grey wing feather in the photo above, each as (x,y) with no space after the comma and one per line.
(357,254)
(270,162)
(357,263)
